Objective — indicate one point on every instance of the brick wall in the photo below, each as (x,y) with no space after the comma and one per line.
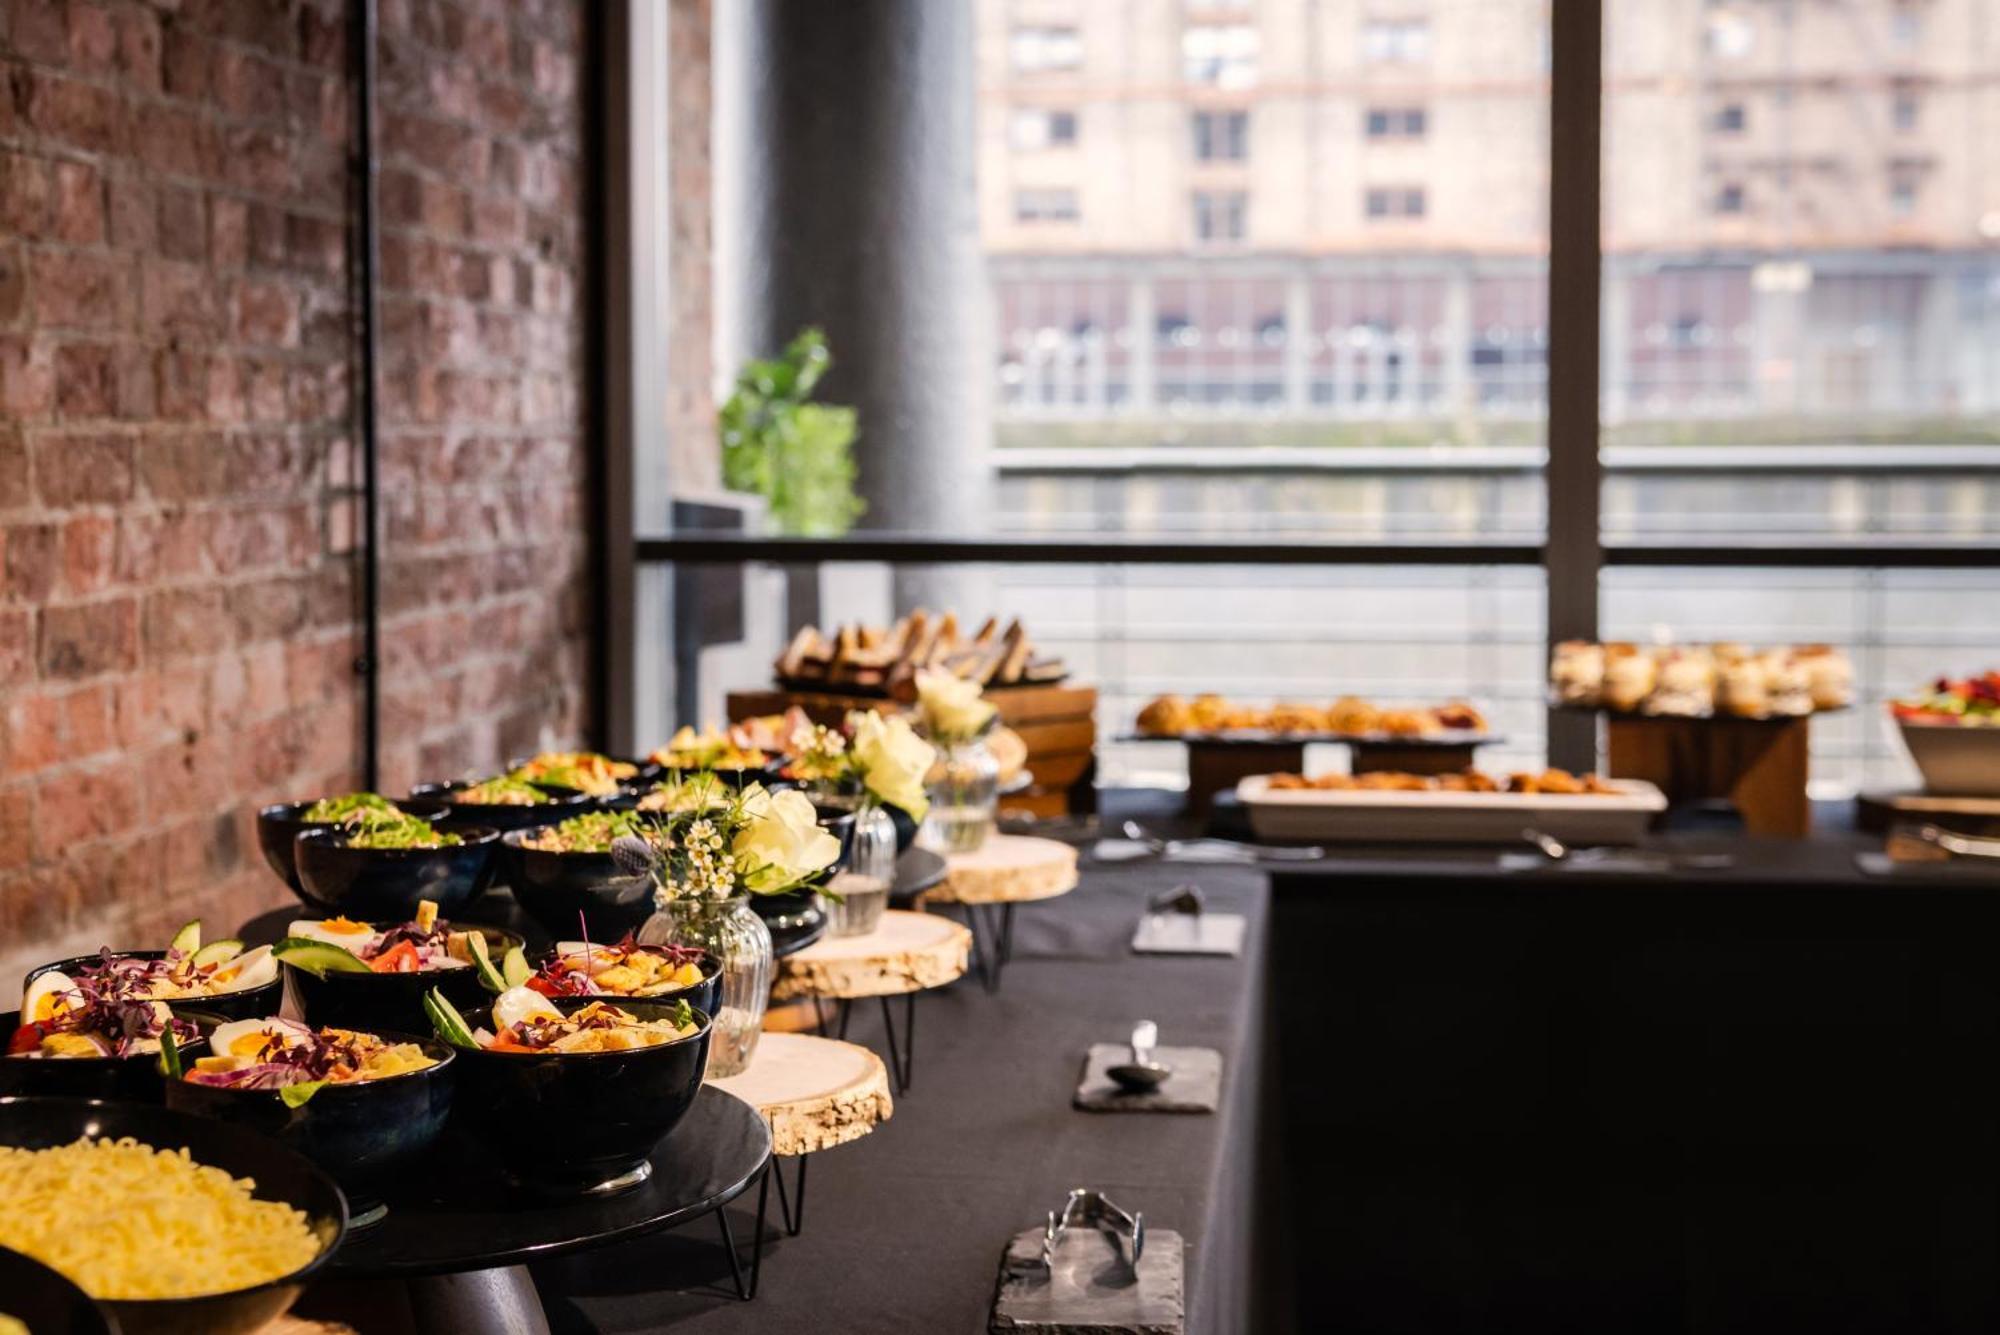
(178,614)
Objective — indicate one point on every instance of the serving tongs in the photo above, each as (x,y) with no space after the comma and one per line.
(1093,1209)
(1216,850)
(1958,845)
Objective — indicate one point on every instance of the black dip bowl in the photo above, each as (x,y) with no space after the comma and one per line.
(579,1123)
(502,816)
(702,995)
(386,884)
(281,1174)
(366,1136)
(44,1301)
(249,1003)
(134,1079)
(279,826)
(372,1001)
(556,889)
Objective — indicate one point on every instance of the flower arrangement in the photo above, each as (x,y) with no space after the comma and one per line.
(875,757)
(952,708)
(752,842)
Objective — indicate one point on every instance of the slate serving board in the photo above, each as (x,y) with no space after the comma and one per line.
(1092,1291)
(1194,1087)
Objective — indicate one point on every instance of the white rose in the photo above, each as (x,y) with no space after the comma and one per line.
(893,761)
(951,705)
(780,842)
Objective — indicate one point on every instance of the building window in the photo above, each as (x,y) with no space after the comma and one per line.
(1906,26)
(1730,118)
(1221,136)
(1730,36)
(1033,128)
(1041,49)
(1399,201)
(1395,122)
(1047,204)
(1221,217)
(1396,41)
(1904,110)
(1220,55)
(1902,194)
(1730,199)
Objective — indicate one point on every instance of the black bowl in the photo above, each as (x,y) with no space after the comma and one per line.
(386,884)
(281,1174)
(563,803)
(248,1003)
(796,919)
(134,1079)
(44,1301)
(278,828)
(372,1001)
(367,1136)
(579,1123)
(558,889)
(648,772)
(702,995)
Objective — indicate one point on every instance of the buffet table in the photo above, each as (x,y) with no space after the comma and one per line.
(909,1224)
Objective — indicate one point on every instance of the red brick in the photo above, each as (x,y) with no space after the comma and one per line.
(84,639)
(27,379)
(181,230)
(258,160)
(83,470)
(86,380)
(247,85)
(93,37)
(24,194)
(34,733)
(89,554)
(179,298)
(35,29)
(228,231)
(79,208)
(139,48)
(132,212)
(88,728)
(80,290)
(17,648)
(81,115)
(185,60)
(15,489)
(13,284)
(184,623)
(267,313)
(32,554)
(81,805)
(171,140)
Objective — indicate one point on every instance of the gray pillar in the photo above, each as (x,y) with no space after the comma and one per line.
(860,217)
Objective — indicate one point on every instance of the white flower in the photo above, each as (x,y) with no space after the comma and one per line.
(952,706)
(780,841)
(893,761)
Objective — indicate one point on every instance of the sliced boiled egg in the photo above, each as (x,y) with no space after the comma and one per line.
(47,993)
(343,932)
(586,954)
(253,968)
(521,1003)
(248,1040)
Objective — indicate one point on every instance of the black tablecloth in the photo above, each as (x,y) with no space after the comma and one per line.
(905,1227)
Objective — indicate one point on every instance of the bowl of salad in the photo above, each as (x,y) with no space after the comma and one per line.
(627,969)
(582,771)
(82,1036)
(373,975)
(571,1095)
(214,977)
(502,802)
(1952,732)
(279,825)
(365,1106)
(564,874)
(385,863)
(730,756)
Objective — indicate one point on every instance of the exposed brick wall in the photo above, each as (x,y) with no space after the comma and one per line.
(178,615)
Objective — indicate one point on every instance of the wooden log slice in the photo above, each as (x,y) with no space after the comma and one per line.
(1007,869)
(814,1092)
(907,952)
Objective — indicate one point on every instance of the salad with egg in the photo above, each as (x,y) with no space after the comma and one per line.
(585,771)
(113,1008)
(298,1060)
(343,945)
(525,1021)
(627,969)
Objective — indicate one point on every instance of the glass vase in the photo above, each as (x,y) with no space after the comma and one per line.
(860,890)
(732,932)
(964,788)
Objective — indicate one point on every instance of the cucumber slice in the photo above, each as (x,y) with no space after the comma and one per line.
(170,1054)
(217,952)
(514,968)
(188,939)
(482,960)
(446,1021)
(317,957)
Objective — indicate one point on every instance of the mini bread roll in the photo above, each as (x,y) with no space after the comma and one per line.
(1629,678)
(1743,691)
(1576,672)
(1789,687)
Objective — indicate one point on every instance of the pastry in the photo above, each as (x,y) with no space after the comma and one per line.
(1743,690)
(1789,686)
(1577,673)
(1685,685)
(1829,676)
(1350,715)
(1458,716)
(1629,675)
(1167,716)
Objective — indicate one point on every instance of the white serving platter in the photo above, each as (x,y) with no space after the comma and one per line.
(1373,815)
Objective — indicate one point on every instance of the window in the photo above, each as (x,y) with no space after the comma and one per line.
(1394,201)
(1906,26)
(1220,216)
(1902,193)
(1730,118)
(1904,109)
(1046,204)
(1220,55)
(1032,128)
(1040,49)
(1396,41)
(1729,199)
(1730,36)
(1394,122)
(1221,136)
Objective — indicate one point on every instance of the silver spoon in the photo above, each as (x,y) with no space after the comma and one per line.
(1142,1075)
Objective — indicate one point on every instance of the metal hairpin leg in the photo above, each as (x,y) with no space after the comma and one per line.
(744,1291)
(793,1214)
(902,1048)
(992,943)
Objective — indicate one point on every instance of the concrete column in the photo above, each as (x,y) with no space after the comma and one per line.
(860,217)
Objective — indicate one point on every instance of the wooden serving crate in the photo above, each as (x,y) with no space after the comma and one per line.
(1058,724)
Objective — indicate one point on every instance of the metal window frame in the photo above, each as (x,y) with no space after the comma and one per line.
(1572,555)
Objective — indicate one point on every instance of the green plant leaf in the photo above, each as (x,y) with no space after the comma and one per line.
(296,1096)
(794,453)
